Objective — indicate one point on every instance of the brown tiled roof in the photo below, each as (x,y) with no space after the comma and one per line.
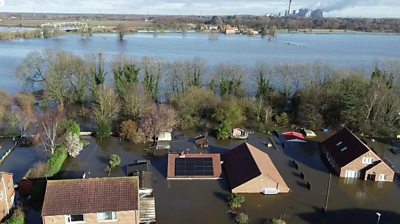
(80,196)
(355,147)
(246,162)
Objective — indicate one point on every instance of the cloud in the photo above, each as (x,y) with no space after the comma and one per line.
(204,7)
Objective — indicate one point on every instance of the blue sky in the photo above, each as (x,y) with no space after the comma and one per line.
(341,8)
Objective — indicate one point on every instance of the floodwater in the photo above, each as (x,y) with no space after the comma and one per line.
(342,50)
(20,160)
(199,202)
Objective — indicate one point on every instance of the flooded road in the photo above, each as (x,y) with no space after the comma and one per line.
(20,160)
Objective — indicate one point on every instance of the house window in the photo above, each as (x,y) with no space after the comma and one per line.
(367,160)
(75,219)
(382,177)
(107,216)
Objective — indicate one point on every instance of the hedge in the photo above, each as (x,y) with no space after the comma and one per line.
(17,217)
(56,161)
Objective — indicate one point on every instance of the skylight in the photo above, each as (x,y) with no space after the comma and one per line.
(339,143)
(344,148)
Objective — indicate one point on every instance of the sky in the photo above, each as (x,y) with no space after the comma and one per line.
(332,8)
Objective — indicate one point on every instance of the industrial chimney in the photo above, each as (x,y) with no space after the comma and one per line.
(290,4)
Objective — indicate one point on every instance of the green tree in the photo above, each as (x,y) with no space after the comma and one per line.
(224,130)
(192,105)
(353,89)
(103,129)
(152,69)
(229,112)
(97,70)
(115,161)
(228,80)
(125,75)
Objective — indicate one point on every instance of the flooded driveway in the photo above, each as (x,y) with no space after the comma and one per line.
(20,160)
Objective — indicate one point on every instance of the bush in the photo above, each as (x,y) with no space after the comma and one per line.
(276,221)
(39,170)
(114,162)
(73,128)
(103,130)
(235,201)
(283,119)
(85,143)
(56,161)
(224,131)
(73,144)
(129,130)
(242,218)
(17,217)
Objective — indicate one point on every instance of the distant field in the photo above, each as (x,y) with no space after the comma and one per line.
(106,23)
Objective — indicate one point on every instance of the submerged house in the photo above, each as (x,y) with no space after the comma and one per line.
(93,200)
(352,158)
(239,133)
(7,194)
(250,170)
(163,140)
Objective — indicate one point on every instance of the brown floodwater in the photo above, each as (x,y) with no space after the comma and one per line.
(198,202)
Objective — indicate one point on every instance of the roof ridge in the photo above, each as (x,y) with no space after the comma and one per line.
(253,156)
(92,178)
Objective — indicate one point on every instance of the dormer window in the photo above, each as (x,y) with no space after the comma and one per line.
(367,160)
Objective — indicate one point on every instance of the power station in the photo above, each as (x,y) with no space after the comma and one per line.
(303,13)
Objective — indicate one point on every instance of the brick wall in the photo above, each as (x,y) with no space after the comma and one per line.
(8,194)
(124,217)
(257,184)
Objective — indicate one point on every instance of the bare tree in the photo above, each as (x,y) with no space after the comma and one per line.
(157,119)
(49,136)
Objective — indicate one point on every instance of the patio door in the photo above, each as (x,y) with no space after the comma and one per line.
(352,174)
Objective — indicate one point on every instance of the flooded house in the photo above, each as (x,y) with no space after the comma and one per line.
(238,133)
(250,170)
(350,157)
(163,140)
(92,200)
(194,166)
(7,194)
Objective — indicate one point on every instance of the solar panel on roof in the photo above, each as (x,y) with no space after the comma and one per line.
(194,167)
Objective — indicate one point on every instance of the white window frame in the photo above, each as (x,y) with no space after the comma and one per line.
(367,160)
(68,219)
(382,177)
(113,215)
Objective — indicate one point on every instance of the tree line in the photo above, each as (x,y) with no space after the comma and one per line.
(140,98)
